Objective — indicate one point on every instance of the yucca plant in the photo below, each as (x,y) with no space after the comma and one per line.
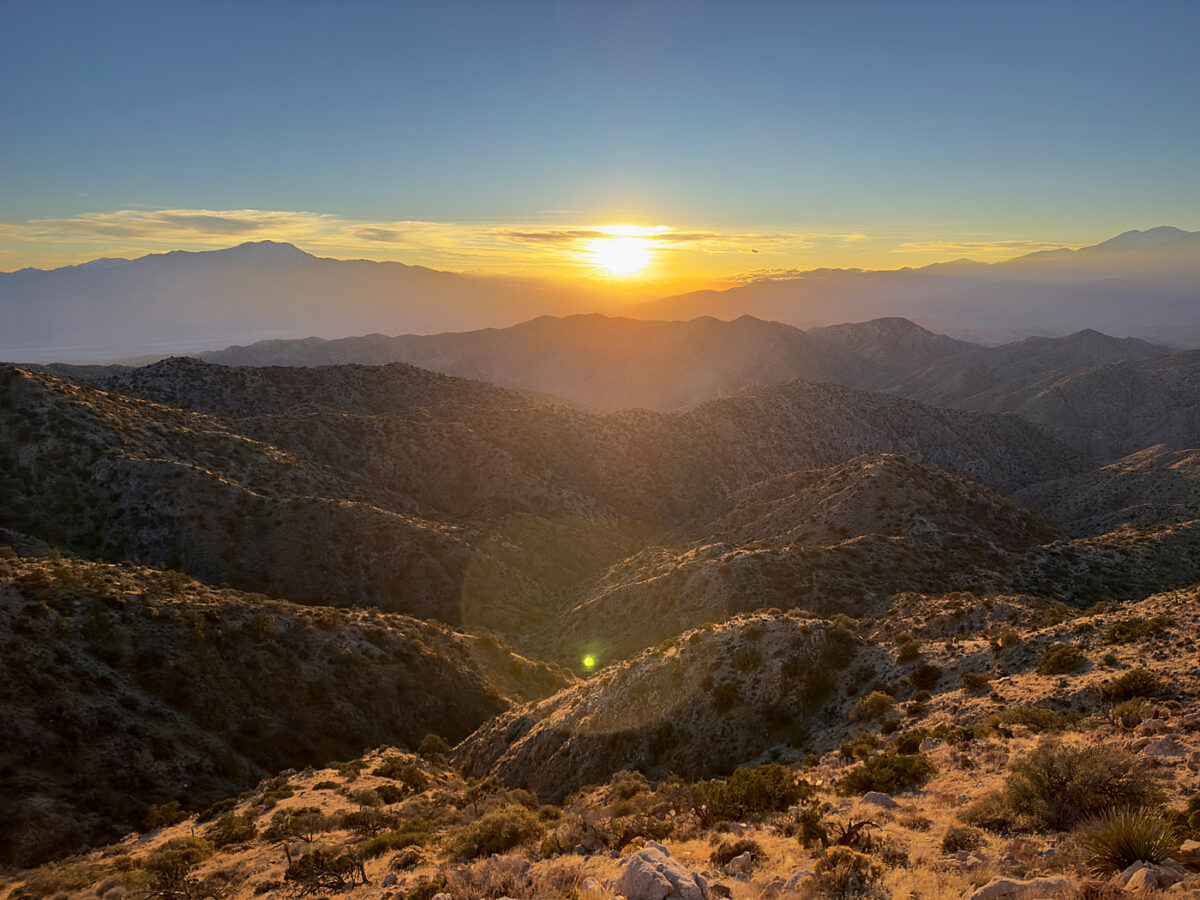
(1120,837)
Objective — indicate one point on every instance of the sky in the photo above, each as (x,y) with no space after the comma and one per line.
(729,138)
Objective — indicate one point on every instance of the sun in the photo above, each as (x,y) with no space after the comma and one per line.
(621,251)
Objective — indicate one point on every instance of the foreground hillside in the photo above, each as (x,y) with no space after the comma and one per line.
(965,753)
(127,687)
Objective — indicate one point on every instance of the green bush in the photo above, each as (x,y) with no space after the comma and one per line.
(496,831)
(910,651)
(873,706)
(844,873)
(1035,718)
(297,823)
(961,837)
(1186,821)
(232,829)
(1058,659)
(1133,684)
(890,773)
(1056,787)
(926,676)
(326,869)
(165,814)
(413,832)
(975,681)
(754,792)
(725,697)
(432,746)
(404,771)
(1137,628)
(1119,838)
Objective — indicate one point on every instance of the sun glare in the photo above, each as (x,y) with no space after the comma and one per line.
(624,250)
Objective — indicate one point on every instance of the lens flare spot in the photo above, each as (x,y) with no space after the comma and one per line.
(589,662)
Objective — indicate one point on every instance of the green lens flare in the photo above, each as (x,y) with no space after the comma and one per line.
(589,662)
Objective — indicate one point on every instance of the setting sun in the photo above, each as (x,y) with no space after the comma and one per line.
(626,252)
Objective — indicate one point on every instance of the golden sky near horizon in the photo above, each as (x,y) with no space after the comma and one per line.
(623,253)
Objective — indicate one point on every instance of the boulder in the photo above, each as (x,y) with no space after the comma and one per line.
(1163,746)
(798,878)
(1189,853)
(740,866)
(883,801)
(1154,726)
(651,874)
(1000,888)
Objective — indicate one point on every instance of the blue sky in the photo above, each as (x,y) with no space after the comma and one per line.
(895,122)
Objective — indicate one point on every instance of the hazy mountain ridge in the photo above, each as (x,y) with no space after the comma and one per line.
(1077,387)
(1141,287)
(188,300)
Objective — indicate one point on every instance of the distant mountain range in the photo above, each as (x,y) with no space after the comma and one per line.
(1080,387)
(1141,283)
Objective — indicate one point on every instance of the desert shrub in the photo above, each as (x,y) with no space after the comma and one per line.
(326,869)
(747,659)
(890,773)
(404,771)
(1134,683)
(298,823)
(1058,659)
(433,746)
(168,866)
(275,793)
(909,651)
(389,793)
(859,746)
(628,783)
(165,814)
(754,792)
(730,849)
(1035,718)
(232,829)
(991,812)
(975,681)
(219,808)
(1186,821)
(1137,628)
(925,676)
(427,890)
(367,822)
(496,831)
(412,832)
(1119,838)
(873,706)
(1056,787)
(500,876)
(725,697)
(961,837)
(843,873)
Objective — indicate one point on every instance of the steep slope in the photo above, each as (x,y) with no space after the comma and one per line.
(838,540)
(128,686)
(711,699)
(1153,486)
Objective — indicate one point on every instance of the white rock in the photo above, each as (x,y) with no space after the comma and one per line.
(1021,889)
(651,874)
